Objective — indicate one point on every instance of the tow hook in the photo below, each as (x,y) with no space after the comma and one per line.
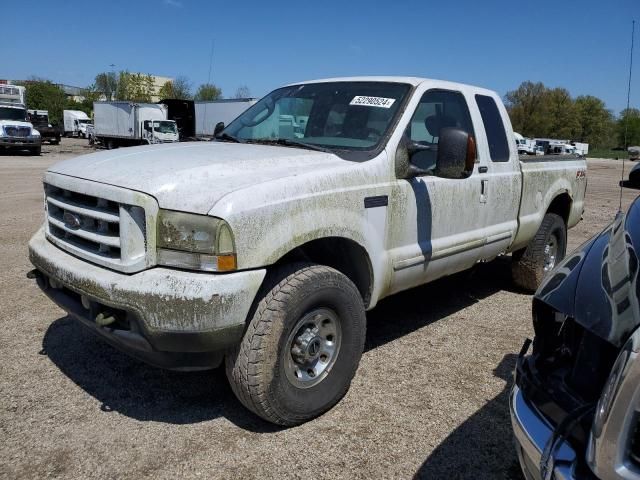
(104,319)
(36,275)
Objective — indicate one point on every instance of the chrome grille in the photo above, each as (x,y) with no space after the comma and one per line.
(17,131)
(92,225)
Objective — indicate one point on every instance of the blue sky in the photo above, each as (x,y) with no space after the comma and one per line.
(580,45)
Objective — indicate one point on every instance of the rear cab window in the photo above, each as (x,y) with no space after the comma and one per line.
(494,128)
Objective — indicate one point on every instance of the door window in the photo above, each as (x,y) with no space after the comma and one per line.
(494,127)
(437,109)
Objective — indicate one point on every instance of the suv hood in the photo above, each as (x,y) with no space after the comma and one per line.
(597,284)
(193,177)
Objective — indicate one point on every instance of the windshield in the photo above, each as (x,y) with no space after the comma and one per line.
(165,127)
(38,118)
(7,113)
(346,116)
(84,120)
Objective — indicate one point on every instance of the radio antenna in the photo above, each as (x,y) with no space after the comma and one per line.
(213,44)
(626,120)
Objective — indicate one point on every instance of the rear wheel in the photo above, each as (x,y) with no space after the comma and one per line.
(547,248)
(302,346)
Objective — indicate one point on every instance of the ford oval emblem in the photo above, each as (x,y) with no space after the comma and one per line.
(71,220)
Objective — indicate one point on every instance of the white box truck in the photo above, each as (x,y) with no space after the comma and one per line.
(208,114)
(75,123)
(122,124)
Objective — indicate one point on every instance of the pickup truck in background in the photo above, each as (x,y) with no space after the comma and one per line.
(40,121)
(266,247)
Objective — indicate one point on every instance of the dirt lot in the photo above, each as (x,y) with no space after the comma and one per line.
(429,399)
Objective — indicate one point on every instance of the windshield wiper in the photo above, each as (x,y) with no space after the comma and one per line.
(291,143)
(229,138)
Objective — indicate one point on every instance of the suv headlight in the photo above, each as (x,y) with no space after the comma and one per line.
(195,242)
(35,133)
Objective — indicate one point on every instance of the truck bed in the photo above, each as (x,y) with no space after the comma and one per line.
(543,179)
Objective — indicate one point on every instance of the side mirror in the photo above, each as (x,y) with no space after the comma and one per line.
(456,153)
(455,157)
(218,128)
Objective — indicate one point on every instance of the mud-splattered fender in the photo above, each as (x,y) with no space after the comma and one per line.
(271,219)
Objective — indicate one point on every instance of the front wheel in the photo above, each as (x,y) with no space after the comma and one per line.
(547,248)
(35,151)
(302,346)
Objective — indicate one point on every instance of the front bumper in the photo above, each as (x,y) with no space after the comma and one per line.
(531,434)
(168,318)
(20,141)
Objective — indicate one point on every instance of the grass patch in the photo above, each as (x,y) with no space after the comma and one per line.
(607,153)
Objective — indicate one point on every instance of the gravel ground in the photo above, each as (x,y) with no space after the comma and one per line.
(429,399)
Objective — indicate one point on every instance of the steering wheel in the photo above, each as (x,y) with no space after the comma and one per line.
(373,135)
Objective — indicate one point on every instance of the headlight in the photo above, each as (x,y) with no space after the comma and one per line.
(195,242)
(35,133)
(2,132)
(610,389)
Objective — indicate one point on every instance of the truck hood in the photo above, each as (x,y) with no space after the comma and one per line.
(597,284)
(192,177)
(15,123)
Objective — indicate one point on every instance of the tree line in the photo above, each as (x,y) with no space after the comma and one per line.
(43,94)
(538,111)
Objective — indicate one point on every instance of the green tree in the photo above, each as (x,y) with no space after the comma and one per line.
(528,109)
(44,95)
(562,121)
(629,122)
(179,88)
(107,83)
(208,92)
(596,122)
(134,87)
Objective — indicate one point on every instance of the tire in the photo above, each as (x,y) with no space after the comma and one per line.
(111,144)
(531,264)
(263,371)
(35,151)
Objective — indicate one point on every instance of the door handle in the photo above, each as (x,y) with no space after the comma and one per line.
(484,187)
(483,169)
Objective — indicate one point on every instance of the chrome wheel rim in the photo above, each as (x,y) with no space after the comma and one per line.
(312,347)
(550,253)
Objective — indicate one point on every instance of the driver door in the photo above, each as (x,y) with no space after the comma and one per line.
(441,229)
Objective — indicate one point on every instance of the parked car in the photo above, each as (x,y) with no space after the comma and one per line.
(266,247)
(574,404)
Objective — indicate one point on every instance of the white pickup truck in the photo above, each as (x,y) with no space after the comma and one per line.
(266,247)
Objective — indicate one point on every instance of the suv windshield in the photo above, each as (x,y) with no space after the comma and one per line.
(339,116)
(7,113)
(84,120)
(165,127)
